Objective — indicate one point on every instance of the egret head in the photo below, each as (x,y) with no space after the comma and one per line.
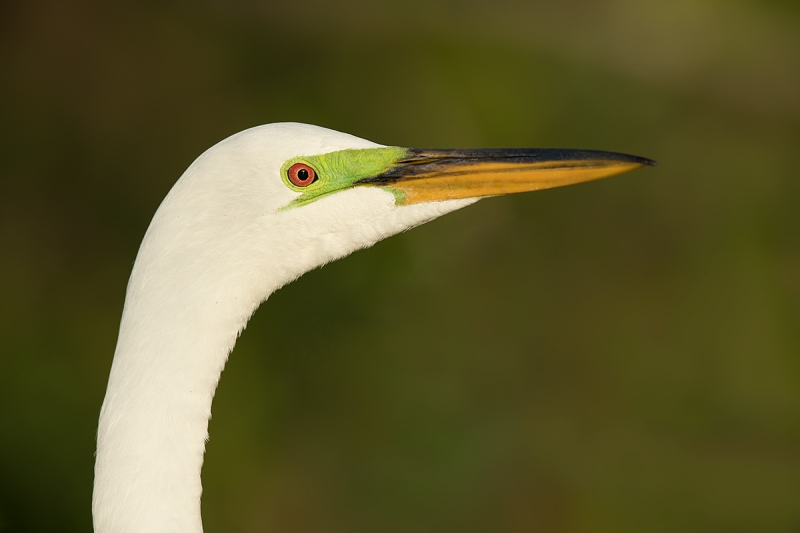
(309,195)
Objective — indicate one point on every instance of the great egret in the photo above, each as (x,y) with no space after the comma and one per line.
(251,214)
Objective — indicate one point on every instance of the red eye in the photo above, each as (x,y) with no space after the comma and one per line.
(302,175)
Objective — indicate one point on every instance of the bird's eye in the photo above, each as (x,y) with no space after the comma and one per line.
(302,175)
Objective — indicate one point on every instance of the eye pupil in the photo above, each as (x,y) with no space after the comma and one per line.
(302,175)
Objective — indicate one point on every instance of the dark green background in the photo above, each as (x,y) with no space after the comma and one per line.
(619,356)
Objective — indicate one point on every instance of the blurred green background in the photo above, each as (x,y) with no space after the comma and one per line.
(619,356)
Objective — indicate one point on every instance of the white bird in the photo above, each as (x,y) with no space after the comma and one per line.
(251,214)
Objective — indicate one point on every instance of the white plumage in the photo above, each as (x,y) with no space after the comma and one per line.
(217,247)
(240,223)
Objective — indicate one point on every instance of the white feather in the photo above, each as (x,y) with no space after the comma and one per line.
(217,247)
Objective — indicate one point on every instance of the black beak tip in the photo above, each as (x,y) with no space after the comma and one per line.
(644,161)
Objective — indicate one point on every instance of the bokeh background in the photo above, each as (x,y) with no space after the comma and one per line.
(619,356)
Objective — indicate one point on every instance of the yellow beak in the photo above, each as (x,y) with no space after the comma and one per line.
(431,175)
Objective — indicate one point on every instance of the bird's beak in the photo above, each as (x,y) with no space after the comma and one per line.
(432,175)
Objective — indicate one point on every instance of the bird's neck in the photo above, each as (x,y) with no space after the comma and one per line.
(177,330)
(191,293)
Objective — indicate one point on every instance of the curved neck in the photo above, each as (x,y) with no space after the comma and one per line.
(154,420)
(189,296)
(184,308)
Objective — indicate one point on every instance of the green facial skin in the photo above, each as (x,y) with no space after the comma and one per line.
(337,171)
